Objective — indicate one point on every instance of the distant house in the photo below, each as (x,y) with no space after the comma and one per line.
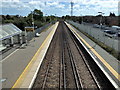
(9,35)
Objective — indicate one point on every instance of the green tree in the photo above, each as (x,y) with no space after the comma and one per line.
(8,17)
(112,14)
(38,14)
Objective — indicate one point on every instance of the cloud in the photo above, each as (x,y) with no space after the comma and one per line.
(10,0)
(119,8)
(52,3)
(77,6)
(63,6)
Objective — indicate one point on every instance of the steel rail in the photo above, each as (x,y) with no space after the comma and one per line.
(48,67)
(85,61)
(74,69)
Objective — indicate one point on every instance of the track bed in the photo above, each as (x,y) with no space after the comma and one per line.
(68,65)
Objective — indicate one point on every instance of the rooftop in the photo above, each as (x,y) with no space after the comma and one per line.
(8,30)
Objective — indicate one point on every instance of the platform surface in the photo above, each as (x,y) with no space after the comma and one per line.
(16,62)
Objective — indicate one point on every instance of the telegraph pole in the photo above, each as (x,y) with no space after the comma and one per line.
(71,8)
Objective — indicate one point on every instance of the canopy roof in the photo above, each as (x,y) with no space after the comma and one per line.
(8,30)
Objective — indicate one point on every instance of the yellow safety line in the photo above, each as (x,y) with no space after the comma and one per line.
(116,74)
(21,77)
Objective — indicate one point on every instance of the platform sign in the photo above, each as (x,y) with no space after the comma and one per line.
(29,28)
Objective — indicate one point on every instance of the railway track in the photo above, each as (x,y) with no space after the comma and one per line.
(65,66)
(76,77)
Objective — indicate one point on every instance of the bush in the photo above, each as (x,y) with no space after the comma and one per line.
(8,21)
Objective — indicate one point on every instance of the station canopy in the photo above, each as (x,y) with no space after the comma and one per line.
(8,30)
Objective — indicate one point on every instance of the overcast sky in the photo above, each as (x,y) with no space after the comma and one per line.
(59,7)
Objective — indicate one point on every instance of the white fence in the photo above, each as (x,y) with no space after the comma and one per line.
(98,34)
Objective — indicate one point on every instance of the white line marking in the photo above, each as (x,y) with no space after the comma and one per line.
(35,75)
(9,55)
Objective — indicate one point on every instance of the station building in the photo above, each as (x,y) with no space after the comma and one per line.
(10,35)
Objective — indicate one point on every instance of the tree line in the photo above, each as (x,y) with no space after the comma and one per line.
(110,20)
(23,21)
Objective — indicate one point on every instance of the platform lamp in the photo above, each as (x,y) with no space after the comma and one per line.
(32,12)
(45,17)
(55,17)
(101,13)
(81,18)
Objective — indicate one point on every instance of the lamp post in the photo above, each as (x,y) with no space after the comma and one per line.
(101,13)
(55,17)
(32,22)
(45,17)
(81,18)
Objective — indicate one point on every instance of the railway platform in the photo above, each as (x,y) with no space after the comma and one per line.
(26,62)
(19,68)
(108,64)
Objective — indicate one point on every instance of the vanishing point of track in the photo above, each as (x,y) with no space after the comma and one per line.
(66,65)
